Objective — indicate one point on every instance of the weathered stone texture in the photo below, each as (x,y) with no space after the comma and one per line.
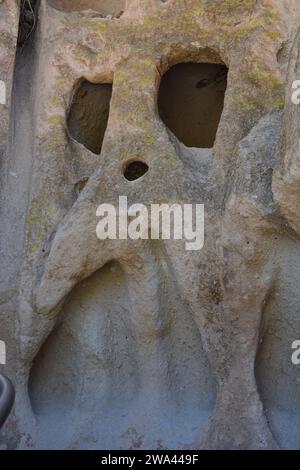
(123,344)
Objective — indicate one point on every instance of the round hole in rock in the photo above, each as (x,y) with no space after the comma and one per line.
(88,114)
(191,100)
(135,170)
(104,7)
(27,20)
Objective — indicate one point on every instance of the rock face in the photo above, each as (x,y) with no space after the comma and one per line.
(143,344)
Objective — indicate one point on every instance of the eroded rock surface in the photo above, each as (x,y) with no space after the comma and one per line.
(143,344)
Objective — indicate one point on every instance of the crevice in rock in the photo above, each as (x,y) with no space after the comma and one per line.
(88,114)
(135,169)
(80,185)
(191,100)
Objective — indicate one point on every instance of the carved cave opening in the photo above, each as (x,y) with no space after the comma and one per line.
(191,100)
(88,114)
(104,7)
